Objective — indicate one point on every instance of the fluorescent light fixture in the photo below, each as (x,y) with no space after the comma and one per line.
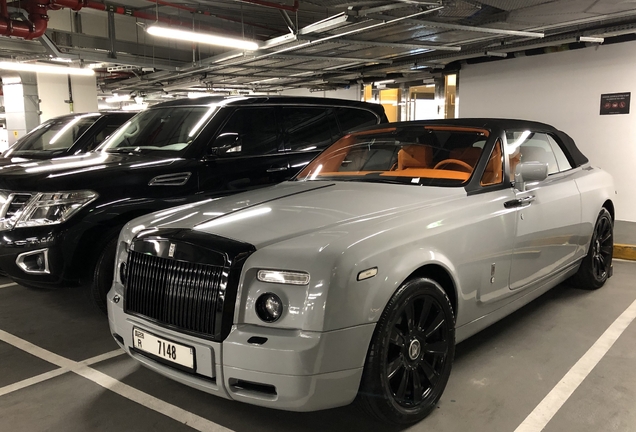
(62,60)
(40,68)
(197,95)
(116,98)
(591,39)
(496,54)
(204,38)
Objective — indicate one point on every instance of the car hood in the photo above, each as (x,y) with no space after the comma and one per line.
(88,170)
(292,209)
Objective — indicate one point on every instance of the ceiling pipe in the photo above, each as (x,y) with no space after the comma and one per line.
(278,6)
(208,13)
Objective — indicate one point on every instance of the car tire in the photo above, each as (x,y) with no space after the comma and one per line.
(103,275)
(411,354)
(596,267)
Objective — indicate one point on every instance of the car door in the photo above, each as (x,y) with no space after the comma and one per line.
(247,153)
(548,212)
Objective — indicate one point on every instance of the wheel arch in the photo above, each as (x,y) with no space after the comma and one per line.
(442,276)
(95,238)
(609,205)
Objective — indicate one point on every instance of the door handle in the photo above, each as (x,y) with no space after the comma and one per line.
(276,169)
(519,202)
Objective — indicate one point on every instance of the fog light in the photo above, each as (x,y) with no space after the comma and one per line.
(269,307)
(123,274)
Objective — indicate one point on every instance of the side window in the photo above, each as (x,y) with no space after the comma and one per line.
(493,174)
(354,118)
(561,158)
(529,146)
(249,131)
(309,128)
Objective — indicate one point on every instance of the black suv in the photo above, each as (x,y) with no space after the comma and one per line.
(60,218)
(65,136)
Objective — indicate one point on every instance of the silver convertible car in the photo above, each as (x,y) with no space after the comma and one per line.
(355,280)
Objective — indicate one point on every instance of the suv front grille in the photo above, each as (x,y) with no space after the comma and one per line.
(174,293)
(15,204)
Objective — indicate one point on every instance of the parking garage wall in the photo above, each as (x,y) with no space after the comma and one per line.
(564,89)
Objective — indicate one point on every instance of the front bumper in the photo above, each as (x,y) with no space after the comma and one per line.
(293,370)
(21,242)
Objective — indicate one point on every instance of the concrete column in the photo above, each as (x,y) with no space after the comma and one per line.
(21,104)
(55,95)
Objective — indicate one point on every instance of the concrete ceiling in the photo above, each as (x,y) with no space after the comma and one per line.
(325,44)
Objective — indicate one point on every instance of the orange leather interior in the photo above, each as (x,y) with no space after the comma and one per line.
(470,155)
(493,174)
(413,172)
(415,156)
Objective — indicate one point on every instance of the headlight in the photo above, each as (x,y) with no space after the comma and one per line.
(283,277)
(50,208)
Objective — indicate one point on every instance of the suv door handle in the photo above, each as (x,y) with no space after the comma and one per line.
(276,169)
(519,202)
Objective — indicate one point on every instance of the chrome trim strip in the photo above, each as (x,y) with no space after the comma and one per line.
(20,261)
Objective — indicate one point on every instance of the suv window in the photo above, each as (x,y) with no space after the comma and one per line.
(56,135)
(250,131)
(354,118)
(309,128)
(161,129)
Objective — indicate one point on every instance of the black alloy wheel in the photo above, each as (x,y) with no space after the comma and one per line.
(411,354)
(596,267)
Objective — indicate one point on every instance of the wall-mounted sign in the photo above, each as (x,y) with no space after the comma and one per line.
(615,103)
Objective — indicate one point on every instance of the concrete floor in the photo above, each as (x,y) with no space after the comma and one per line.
(499,375)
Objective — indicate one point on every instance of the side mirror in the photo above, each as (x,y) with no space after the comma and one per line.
(229,142)
(529,172)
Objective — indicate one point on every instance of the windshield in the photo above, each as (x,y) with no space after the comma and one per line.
(416,155)
(160,129)
(53,136)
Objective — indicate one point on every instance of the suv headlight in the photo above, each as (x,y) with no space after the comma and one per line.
(50,208)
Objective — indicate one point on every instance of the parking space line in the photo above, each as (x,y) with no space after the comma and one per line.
(100,358)
(82,369)
(8,285)
(31,381)
(552,403)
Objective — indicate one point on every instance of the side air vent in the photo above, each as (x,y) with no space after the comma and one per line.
(177,179)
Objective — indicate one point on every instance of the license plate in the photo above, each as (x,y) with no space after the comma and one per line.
(163,348)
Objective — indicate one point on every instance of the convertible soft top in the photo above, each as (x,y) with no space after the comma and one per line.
(499,124)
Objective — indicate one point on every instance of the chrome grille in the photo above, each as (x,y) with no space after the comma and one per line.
(15,204)
(174,293)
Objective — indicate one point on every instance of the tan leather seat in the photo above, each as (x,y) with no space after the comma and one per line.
(415,156)
(470,155)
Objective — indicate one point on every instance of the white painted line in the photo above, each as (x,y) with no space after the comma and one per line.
(552,403)
(31,381)
(8,285)
(37,351)
(80,368)
(144,399)
(103,357)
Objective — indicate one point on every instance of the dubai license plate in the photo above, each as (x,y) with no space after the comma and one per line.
(162,348)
